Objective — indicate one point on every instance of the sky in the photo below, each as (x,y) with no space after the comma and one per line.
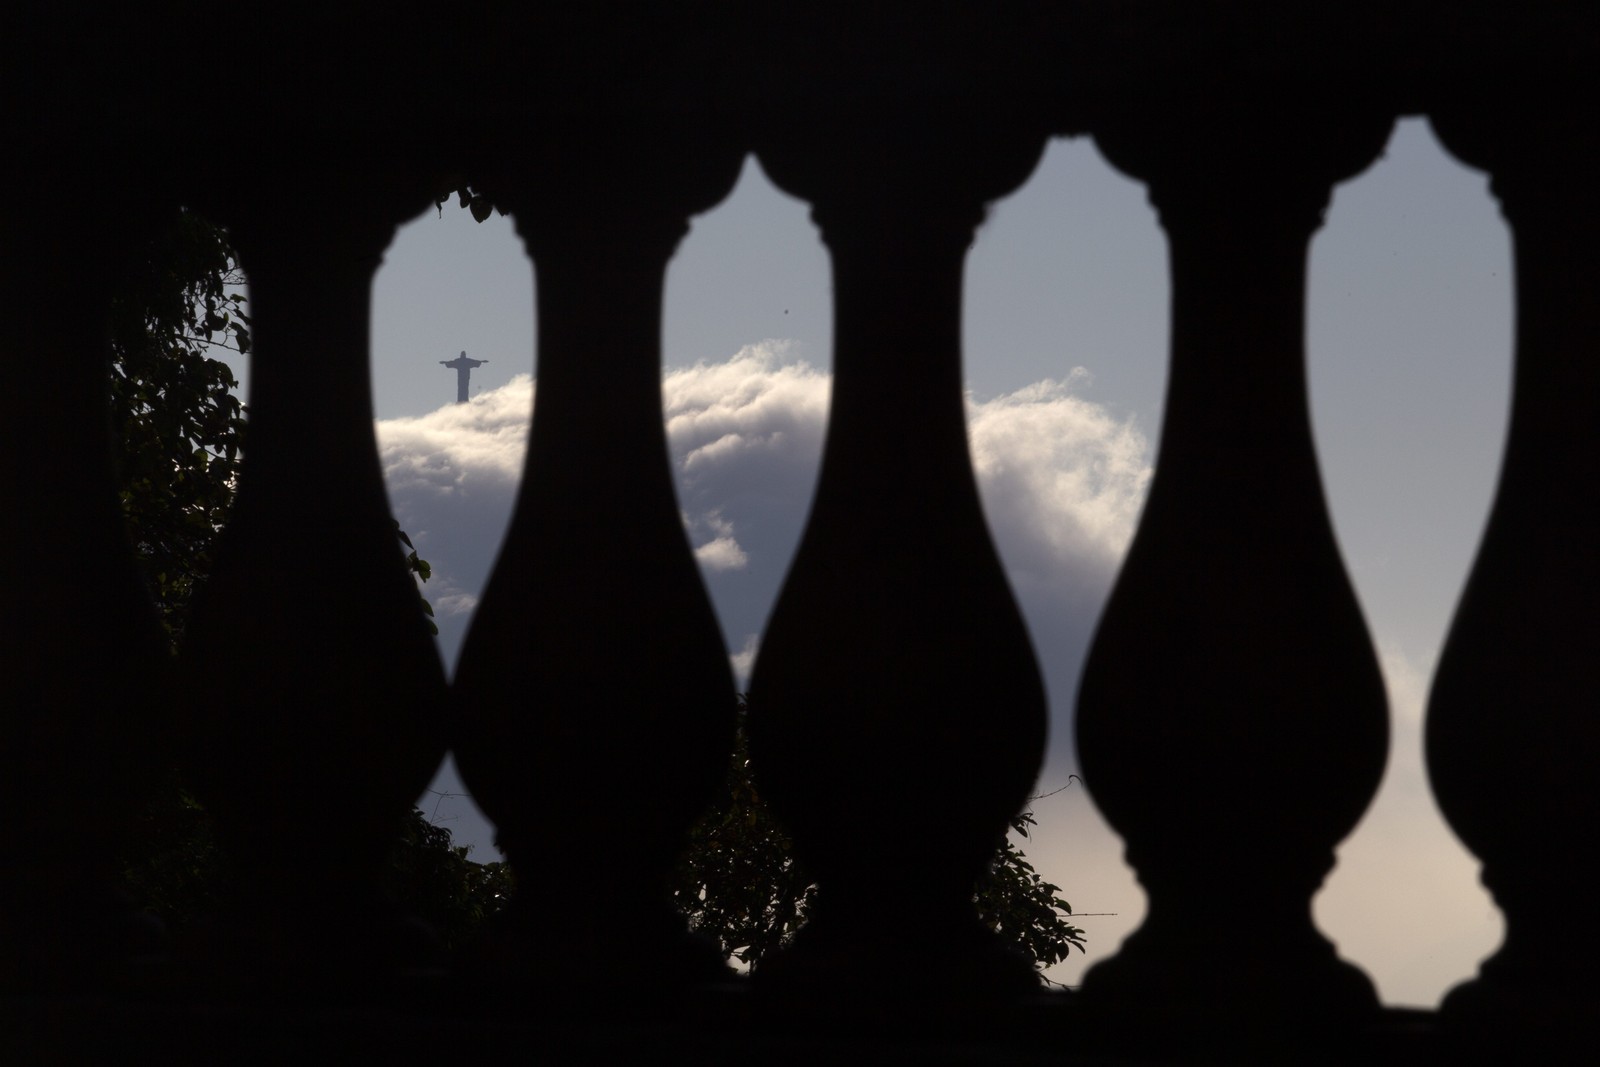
(1065,335)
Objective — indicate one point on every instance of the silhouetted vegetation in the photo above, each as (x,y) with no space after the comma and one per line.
(179,426)
(174,869)
(740,882)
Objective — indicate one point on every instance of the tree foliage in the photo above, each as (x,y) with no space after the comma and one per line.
(174,869)
(171,865)
(430,876)
(456,185)
(178,427)
(740,882)
(1027,912)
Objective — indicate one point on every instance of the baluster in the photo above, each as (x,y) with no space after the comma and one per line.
(85,664)
(314,711)
(897,713)
(1231,716)
(594,698)
(1512,736)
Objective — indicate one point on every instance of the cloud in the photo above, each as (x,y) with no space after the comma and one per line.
(744,660)
(746,436)
(722,552)
(452,477)
(453,449)
(1061,470)
(764,399)
(454,604)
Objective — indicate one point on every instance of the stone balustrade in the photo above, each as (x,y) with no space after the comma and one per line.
(602,129)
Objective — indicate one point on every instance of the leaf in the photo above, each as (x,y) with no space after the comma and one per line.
(481,208)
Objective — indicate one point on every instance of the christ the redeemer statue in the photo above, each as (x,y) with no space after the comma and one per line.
(463,367)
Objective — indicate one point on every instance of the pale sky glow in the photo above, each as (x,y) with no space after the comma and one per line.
(1065,334)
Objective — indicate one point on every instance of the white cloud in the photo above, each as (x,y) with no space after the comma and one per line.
(460,446)
(455,604)
(721,554)
(1060,468)
(764,399)
(744,660)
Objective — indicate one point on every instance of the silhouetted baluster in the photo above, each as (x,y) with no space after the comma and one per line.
(897,714)
(1231,717)
(315,697)
(1513,740)
(594,698)
(84,664)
